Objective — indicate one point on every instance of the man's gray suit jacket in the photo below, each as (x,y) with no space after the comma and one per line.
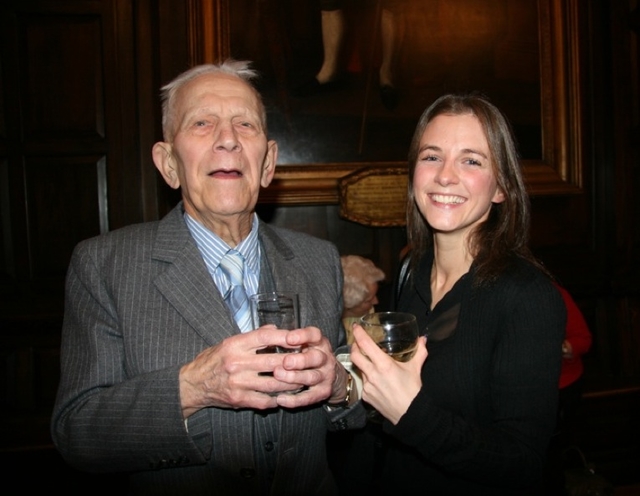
(140,304)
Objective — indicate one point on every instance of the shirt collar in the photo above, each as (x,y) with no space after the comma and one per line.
(214,248)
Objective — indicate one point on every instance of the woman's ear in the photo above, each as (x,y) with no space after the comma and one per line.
(498,196)
(269,164)
(166,163)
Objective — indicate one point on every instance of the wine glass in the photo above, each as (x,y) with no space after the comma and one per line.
(396,333)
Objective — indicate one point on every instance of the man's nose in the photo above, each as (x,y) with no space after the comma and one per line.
(227,139)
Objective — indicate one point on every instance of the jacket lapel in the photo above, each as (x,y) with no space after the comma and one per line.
(284,268)
(186,282)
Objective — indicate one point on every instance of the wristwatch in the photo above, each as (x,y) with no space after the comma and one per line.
(349,387)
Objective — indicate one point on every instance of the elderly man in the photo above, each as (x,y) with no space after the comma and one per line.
(160,377)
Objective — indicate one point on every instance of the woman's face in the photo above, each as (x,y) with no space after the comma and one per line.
(454,184)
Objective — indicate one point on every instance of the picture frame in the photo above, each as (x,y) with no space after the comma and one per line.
(558,170)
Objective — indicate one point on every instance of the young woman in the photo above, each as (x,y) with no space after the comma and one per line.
(472,413)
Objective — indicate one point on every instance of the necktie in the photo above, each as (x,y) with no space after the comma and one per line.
(232,265)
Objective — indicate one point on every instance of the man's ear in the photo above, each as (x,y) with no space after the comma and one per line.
(269,164)
(165,163)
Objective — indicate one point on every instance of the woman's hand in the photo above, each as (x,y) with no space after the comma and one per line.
(389,386)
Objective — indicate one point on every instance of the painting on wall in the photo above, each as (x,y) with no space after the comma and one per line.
(394,58)
(349,85)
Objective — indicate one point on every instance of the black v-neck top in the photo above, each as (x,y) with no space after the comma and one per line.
(484,416)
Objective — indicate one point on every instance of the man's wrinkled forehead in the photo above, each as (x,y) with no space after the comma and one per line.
(224,86)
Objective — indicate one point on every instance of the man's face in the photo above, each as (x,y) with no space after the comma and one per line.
(220,155)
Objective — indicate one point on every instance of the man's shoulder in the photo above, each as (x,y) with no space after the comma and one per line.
(122,235)
(136,234)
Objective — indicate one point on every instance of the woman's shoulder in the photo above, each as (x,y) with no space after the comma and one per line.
(523,292)
(522,268)
(522,276)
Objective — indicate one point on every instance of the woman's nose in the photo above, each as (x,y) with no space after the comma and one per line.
(447,173)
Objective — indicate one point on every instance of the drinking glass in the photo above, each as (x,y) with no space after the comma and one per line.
(396,333)
(278,308)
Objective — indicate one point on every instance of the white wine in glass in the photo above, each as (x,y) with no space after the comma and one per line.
(396,333)
(401,351)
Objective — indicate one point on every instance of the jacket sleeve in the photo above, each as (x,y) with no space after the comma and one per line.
(106,419)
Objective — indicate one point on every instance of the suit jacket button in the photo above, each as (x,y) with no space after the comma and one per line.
(268,446)
(247,473)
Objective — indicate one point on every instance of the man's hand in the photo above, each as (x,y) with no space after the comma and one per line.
(314,367)
(232,375)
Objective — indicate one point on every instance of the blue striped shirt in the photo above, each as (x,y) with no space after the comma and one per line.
(213,248)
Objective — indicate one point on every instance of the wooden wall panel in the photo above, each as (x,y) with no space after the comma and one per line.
(606,428)
(625,79)
(71,167)
(67,189)
(29,375)
(61,57)
(69,170)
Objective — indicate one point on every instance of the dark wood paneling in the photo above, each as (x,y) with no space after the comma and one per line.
(607,430)
(60,55)
(69,96)
(624,30)
(64,200)
(30,364)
